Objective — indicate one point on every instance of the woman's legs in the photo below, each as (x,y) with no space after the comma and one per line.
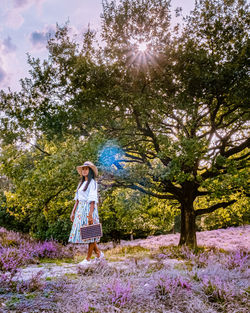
(93,246)
(90,250)
(97,251)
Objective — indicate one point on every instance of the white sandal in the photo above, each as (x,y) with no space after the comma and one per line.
(100,257)
(85,262)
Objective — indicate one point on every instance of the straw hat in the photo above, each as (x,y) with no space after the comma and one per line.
(89,164)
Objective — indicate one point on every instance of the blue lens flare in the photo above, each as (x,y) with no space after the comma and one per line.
(109,156)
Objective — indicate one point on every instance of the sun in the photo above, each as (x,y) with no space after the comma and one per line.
(140,54)
(142,46)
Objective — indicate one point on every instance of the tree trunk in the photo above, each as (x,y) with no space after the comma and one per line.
(188,226)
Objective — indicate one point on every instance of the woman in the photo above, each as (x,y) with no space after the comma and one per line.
(85,209)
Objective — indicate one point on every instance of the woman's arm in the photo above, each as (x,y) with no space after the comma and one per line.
(72,215)
(92,199)
(91,210)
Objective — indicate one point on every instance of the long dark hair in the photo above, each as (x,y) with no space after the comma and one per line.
(91,175)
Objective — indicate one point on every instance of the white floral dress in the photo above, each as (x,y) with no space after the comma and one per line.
(82,211)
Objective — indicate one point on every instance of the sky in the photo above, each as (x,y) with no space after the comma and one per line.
(25,25)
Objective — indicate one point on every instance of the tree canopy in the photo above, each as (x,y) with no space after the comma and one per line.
(177,111)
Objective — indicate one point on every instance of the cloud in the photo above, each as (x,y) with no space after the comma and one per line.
(8,46)
(39,39)
(3,75)
(14,15)
(3,71)
(10,67)
(14,19)
(20,3)
(25,3)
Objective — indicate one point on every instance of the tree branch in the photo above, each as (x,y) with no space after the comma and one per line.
(215,171)
(245,156)
(245,144)
(134,187)
(40,149)
(179,121)
(53,196)
(214,207)
(36,146)
(230,111)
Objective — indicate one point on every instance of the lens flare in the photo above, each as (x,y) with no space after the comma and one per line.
(142,47)
(109,157)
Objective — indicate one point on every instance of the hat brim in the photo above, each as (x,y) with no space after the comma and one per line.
(93,167)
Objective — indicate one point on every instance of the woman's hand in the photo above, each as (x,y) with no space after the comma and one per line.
(90,219)
(72,216)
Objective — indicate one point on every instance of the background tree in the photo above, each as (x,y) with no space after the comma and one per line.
(43,182)
(128,214)
(178,109)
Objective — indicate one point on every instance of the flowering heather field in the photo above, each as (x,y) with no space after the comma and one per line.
(149,275)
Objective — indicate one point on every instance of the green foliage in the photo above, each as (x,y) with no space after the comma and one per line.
(237,214)
(125,213)
(44,180)
(178,111)
(9,221)
(59,230)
